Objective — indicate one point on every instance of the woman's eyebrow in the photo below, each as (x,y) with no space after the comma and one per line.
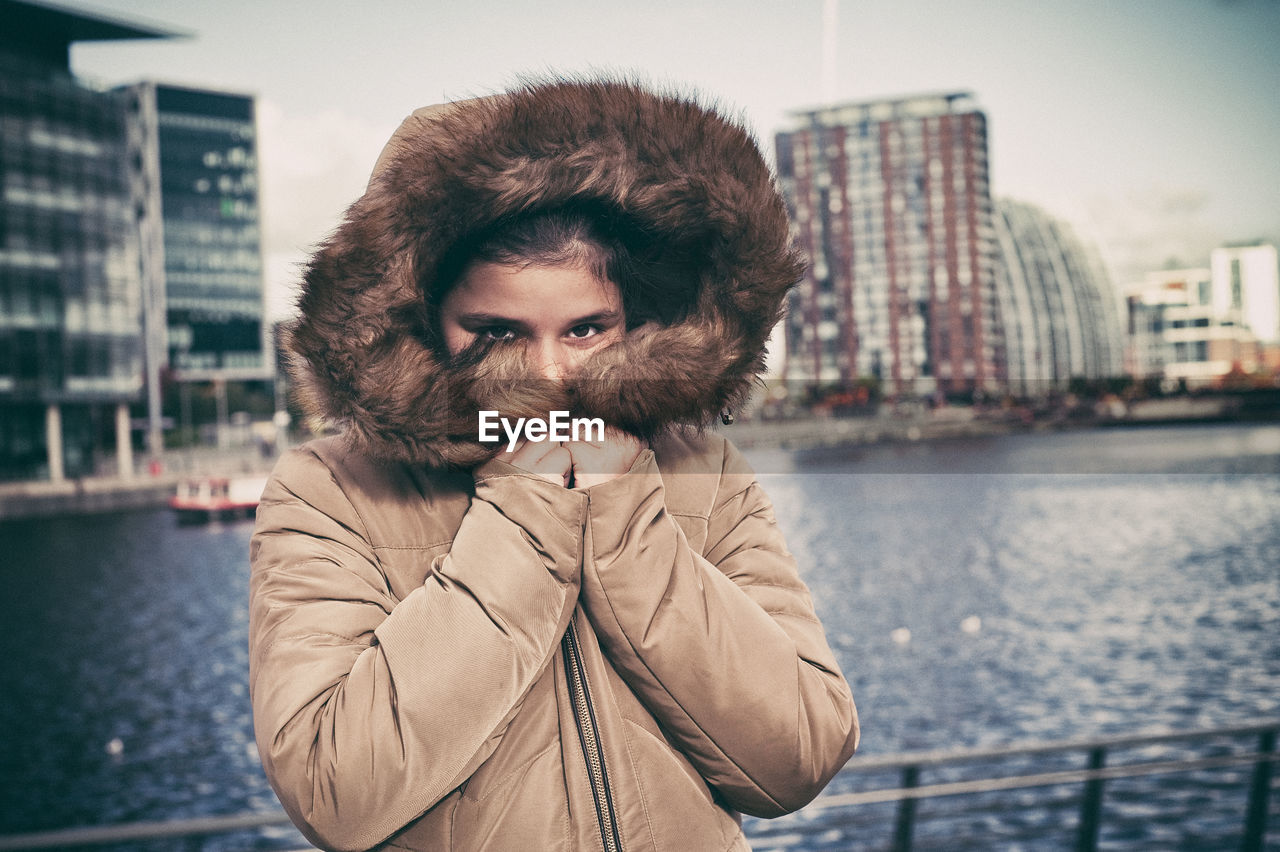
(478,319)
(605,316)
(481,318)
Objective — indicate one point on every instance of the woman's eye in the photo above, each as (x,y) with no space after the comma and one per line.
(497,332)
(584,330)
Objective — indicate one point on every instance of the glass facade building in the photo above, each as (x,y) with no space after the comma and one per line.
(70,288)
(198,167)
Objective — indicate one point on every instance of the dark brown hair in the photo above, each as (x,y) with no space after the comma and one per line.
(595,239)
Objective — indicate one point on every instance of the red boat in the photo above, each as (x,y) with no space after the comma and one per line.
(217,498)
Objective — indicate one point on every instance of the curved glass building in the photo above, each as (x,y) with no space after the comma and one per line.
(1059,312)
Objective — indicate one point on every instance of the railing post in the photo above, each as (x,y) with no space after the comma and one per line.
(1255,820)
(905,822)
(1091,805)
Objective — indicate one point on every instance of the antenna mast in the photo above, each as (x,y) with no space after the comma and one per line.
(830,18)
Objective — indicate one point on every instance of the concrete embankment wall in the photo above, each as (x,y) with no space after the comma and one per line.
(82,496)
(835,431)
(143,490)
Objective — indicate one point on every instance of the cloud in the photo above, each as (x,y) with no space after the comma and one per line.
(1151,227)
(311,167)
(282,270)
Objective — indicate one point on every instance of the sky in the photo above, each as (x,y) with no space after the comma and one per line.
(1151,126)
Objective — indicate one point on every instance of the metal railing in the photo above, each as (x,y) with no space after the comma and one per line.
(830,823)
(964,773)
(136,832)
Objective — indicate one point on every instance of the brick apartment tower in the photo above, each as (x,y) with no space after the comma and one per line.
(890,201)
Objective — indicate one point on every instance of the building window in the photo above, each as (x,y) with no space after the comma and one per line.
(1236,296)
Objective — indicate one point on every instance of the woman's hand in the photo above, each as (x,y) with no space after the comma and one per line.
(548,459)
(595,462)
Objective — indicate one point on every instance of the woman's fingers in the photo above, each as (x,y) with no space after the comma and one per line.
(595,462)
(548,459)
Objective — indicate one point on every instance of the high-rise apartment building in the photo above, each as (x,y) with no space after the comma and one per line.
(70,314)
(890,200)
(196,185)
(1057,306)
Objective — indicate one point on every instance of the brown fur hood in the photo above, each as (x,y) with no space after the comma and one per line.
(689,180)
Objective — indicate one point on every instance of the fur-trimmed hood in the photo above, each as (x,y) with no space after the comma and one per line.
(689,179)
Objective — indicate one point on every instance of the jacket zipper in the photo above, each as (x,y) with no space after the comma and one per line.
(589,736)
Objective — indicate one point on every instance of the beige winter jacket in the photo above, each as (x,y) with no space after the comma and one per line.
(410,683)
(448,653)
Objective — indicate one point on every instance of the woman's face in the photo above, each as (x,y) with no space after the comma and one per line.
(560,313)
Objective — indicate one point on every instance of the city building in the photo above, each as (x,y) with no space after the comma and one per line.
(1180,331)
(890,201)
(70,288)
(1246,278)
(196,191)
(1057,306)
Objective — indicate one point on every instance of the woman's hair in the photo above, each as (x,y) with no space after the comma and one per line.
(596,240)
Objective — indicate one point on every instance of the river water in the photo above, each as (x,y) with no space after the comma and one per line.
(977,593)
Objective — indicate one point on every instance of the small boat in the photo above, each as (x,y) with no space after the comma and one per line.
(209,498)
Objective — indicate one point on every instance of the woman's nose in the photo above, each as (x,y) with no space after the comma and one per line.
(549,359)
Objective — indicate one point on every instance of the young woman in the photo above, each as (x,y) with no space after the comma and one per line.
(593,642)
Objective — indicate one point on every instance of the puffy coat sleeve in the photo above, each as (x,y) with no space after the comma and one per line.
(722,646)
(367,709)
